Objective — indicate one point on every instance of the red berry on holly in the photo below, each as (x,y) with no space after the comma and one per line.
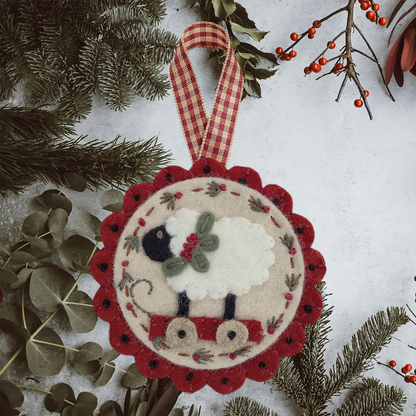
(403,370)
(293,54)
(322,61)
(413,379)
(310,36)
(312,31)
(233,355)
(178,195)
(382,21)
(392,363)
(366,93)
(331,45)
(316,24)
(294,36)
(307,71)
(287,57)
(408,367)
(338,66)
(279,50)
(365,5)
(370,15)
(358,103)
(376,7)
(315,67)
(408,379)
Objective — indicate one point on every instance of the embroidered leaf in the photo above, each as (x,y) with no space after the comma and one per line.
(204,224)
(209,243)
(133,241)
(174,266)
(292,282)
(200,262)
(126,279)
(255,204)
(288,240)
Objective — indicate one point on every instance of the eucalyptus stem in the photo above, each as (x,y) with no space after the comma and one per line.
(6,262)
(54,345)
(11,359)
(23,307)
(79,304)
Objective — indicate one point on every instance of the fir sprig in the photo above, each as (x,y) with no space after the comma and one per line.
(243,406)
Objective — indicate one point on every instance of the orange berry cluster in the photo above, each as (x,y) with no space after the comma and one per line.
(408,378)
(371,15)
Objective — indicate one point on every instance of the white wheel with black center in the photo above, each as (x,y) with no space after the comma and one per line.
(232,335)
(181,333)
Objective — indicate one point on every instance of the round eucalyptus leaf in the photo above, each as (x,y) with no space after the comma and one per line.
(111,408)
(11,319)
(43,359)
(87,225)
(110,355)
(22,257)
(85,405)
(53,199)
(8,277)
(10,394)
(75,249)
(81,314)
(81,269)
(22,278)
(176,412)
(3,248)
(88,368)
(36,242)
(35,223)
(105,375)
(55,402)
(48,286)
(112,200)
(88,352)
(37,253)
(57,222)
(75,181)
(133,378)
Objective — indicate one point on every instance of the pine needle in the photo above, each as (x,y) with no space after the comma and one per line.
(243,406)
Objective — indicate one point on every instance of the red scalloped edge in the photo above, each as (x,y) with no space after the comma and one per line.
(259,368)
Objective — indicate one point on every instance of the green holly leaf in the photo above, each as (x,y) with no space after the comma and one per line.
(81,314)
(87,225)
(75,249)
(133,378)
(10,398)
(48,286)
(35,223)
(53,199)
(204,224)
(209,243)
(43,358)
(174,266)
(251,86)
(223,8)
(254,33)
(240,16)
(56,224)
(264,60)
(112,200)
(200,262)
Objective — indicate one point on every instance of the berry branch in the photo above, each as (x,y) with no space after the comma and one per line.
(344,60)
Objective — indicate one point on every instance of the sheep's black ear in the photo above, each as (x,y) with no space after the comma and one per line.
(156,244)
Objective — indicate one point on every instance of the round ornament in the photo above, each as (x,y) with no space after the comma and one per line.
(206,275)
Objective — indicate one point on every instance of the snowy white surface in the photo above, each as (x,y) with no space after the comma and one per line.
(353,178)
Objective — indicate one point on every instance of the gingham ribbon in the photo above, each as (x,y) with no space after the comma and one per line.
(206,137)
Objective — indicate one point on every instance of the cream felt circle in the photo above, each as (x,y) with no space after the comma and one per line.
(208,273)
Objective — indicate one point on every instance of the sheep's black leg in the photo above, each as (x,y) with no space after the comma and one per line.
(229,307)
(184,301)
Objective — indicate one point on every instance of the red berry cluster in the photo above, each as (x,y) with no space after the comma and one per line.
(372,14)
(192,242)
(409,377)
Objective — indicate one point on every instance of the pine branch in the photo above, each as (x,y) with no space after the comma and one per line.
(243,406)
(155,9)
(365,344)
(117,164)
(371,397)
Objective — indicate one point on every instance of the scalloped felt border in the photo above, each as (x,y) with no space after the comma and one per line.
(259,368)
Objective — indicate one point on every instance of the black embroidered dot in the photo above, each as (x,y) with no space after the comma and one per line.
(300,230)
(189,376)
(103,267)
(308,308)
(114,228)
(106,303)
(224,380)
(137,197)
(276,201)
(289,340)
(207,169)
(312,267)
(231,335)
(153,364)
(182,334)
(125,338)
(169,177)
(242,180)
(262,364)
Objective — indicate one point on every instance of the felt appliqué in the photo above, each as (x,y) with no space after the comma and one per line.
(207,277)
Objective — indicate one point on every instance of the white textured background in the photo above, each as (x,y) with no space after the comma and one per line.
(354,179)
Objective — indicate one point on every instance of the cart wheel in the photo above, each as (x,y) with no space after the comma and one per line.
(180,333)
(232,335)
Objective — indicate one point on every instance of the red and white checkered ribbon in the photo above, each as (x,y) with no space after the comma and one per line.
(206,137)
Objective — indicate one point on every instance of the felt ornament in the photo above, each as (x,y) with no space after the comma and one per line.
(206,275)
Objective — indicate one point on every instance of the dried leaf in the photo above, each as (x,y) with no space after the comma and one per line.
(87,225)
(82,318)
(8,277)
(48,286)
(75,181)
(57,222)
(75,249)
(43,359)
(133,378)
(35,223)
(112,200)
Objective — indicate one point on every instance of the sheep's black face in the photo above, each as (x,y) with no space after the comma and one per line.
(156,244)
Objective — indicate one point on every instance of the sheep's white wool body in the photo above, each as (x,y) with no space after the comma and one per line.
(241,261)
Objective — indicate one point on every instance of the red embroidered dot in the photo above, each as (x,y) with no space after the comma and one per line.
(271,330)
(223,187)
(292,251)
(266,209)
(142,222)
(288,296)
(129,306)
(178,195)
(233,355)
(196,357)
(125,263)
